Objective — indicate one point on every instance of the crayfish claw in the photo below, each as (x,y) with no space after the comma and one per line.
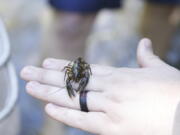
(82,84)
(70,89)
(71,93)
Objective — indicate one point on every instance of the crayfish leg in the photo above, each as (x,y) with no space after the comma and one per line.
(90,70)
(67,68)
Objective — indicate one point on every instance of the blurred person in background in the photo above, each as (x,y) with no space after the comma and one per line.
(70,26)
(72,21)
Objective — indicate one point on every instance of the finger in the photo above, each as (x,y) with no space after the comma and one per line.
(93,122)
(57,64)
(56,78)
(60,97)
(145,55)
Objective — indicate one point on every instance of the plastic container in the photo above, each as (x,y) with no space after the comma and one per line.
(9,116)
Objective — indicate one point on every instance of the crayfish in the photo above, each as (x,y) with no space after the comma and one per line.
(79,72)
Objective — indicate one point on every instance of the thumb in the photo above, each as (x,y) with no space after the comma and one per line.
(145,55)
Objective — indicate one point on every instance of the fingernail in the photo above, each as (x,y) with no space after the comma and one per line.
(48,63)
(27,70)
(147,44)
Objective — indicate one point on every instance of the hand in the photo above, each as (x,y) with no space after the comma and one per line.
(122,101)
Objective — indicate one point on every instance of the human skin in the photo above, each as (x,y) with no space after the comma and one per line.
(122,101)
